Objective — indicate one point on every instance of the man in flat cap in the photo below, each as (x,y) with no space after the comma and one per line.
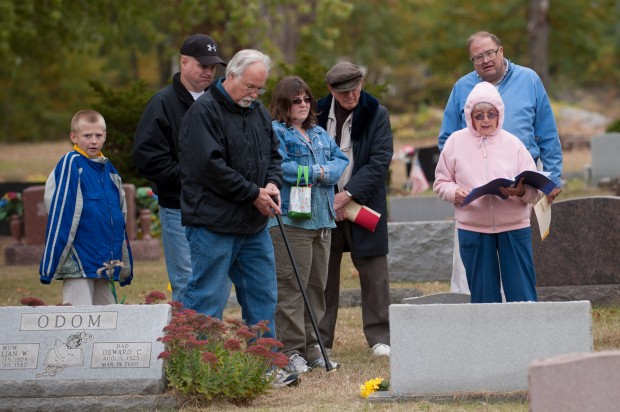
(361,127)
(155,149)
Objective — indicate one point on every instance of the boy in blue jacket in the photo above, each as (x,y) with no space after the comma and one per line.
(86,241)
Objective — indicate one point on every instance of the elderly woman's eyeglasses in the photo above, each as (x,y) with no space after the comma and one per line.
(489,54)
(490,116)
(298,100)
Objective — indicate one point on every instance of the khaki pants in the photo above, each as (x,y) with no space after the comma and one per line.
(310,249)
(375,285)
(85,291)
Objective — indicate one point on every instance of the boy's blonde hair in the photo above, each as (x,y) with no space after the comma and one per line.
(88,116)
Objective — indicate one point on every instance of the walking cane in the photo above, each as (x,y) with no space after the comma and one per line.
(328,365)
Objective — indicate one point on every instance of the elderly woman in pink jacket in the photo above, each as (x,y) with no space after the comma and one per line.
(494,234)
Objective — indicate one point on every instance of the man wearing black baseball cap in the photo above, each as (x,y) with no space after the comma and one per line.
(203,48)
(361,127)
(155,149)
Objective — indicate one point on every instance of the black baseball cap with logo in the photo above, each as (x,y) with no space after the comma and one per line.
(203,48)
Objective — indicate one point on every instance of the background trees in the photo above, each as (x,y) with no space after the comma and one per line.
(51,50)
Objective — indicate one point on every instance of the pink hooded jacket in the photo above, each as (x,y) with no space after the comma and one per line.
(469,160)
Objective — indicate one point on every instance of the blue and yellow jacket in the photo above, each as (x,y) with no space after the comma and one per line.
(85,231)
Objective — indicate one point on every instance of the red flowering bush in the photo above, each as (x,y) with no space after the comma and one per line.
(209,359)
(32,301)
(155,297)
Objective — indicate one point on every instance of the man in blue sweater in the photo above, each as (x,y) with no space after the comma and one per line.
(528,114)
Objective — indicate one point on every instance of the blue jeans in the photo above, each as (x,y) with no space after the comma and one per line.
(247,260)
(491,257)
(176,251)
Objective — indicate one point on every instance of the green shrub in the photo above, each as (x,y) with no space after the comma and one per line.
(310,70)
(122,110)
(614,127)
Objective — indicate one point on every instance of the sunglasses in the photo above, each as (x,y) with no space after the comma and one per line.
(490,116)
(298,100)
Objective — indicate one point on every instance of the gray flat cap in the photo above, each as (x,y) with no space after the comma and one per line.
(344,76)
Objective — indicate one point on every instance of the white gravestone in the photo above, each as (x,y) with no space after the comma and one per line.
(449,349)
(64,351)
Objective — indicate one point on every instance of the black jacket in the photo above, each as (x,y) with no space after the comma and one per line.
(155,145)
(371,137)
(227,153)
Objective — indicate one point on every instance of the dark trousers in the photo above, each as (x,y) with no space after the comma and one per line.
(374,281)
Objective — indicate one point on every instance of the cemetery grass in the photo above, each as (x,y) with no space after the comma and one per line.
(319,390)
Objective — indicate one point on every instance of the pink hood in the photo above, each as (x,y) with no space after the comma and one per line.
(484,93)
(469,160)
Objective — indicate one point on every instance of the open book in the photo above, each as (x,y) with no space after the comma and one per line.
(539,180)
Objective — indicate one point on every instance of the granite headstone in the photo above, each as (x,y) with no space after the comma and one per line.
(428,158)
(35,215)
(419,208)
(30,250)
(445,298)
(142,249)
(584,382)
(451,349)
(49,352)
(131,225)
(580,257)
(420,251)
(605,151)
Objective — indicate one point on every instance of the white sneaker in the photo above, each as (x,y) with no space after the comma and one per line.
(297,364)
(283,378)
(381,349)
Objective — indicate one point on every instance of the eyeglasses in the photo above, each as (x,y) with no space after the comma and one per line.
(489,54)
(490,116)
(253,89)
(297,100)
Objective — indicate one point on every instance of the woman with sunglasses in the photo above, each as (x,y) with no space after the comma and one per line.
(303,143)
(494,233)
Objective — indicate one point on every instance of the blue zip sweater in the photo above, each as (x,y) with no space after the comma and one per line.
(322,150)
(528,115)
(86,222)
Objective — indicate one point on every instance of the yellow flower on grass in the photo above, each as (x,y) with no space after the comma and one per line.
(373,385)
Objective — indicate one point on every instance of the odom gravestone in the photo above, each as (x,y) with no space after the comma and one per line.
(51,354)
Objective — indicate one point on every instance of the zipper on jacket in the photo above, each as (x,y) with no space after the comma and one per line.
(107,204)
(486,168)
